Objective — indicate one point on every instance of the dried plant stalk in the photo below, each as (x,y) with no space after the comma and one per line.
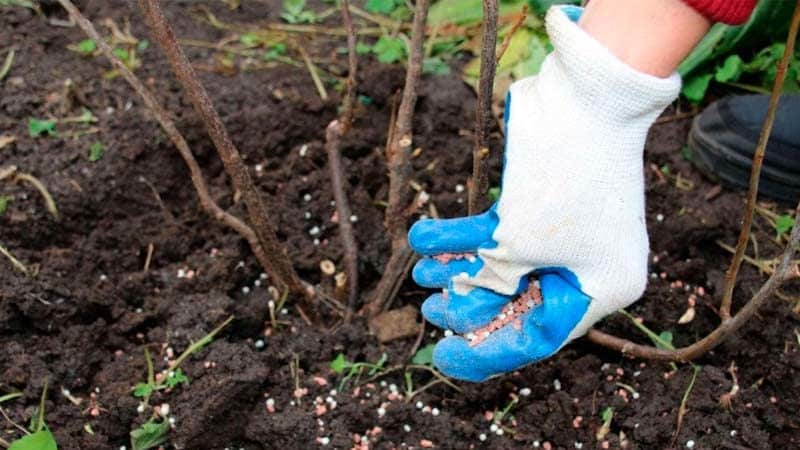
(479,184)
(278,263)
(162,117)
(333,135)
(398,153)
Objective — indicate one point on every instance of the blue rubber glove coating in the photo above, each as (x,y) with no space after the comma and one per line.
(544,331)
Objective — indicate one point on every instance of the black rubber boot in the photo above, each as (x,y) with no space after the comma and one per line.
(724,137)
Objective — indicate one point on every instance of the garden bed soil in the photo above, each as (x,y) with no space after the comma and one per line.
(82,322)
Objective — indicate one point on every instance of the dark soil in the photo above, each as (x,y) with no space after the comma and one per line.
(83,321)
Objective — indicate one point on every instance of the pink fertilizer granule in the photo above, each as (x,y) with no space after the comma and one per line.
(510,314)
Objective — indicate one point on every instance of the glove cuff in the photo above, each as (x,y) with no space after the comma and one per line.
(610,88)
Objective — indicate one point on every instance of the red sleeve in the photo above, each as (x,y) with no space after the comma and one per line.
(733,12)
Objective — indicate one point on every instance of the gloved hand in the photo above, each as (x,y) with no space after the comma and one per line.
(571,213)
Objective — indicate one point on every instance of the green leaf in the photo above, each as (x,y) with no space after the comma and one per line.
(730,70)
(142,45)
(274,51)
(37,127)
(784,224)
(249,40)
(294,7)
(176,377)
(665,338)
(494,193)
(41,440)
(362,48)
(122,54)
(467,11)
(85,47)
(23,3)
(694,89)
(607,414)
(389,49)
(143,390)
(768,22)
(86,117)
(96,152)
(364,99)
(4,199)
(435,66)
(150,435)
(686,152)
(380,6)
(424,356)
(339,363)
(540,7)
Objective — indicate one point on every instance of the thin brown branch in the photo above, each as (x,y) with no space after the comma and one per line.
(783,271)
(278,264)
(333,135)
(162,117)
(352,61)
(725,329)
(507,39)
(479,184)
(398,160)
(755,172)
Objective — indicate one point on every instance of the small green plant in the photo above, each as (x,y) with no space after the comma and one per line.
(340,365)
(30,4)
(743,56)
(174,374)
(393,8)
(424,356)
(435,66)
(38,127)
(494,193)
(389,50)
(4,199)
(154,432)
(606,416)
(295,12)
(274,52)
(783,224)
(150,434)
(38,436)
(96,152)
(86,47)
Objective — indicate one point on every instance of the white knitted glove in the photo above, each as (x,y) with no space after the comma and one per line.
(572,193)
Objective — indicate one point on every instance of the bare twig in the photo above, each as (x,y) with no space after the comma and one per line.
(755,172)
(149,257)
(731,324)
(397,158)
(14,261)
(161,115)
(479,184)
(278,263)
(352,60)
(507,39)
(333,135)
(722,332)
(49,203)
(683,409)
(312,70)
(332,144)
(726,399)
